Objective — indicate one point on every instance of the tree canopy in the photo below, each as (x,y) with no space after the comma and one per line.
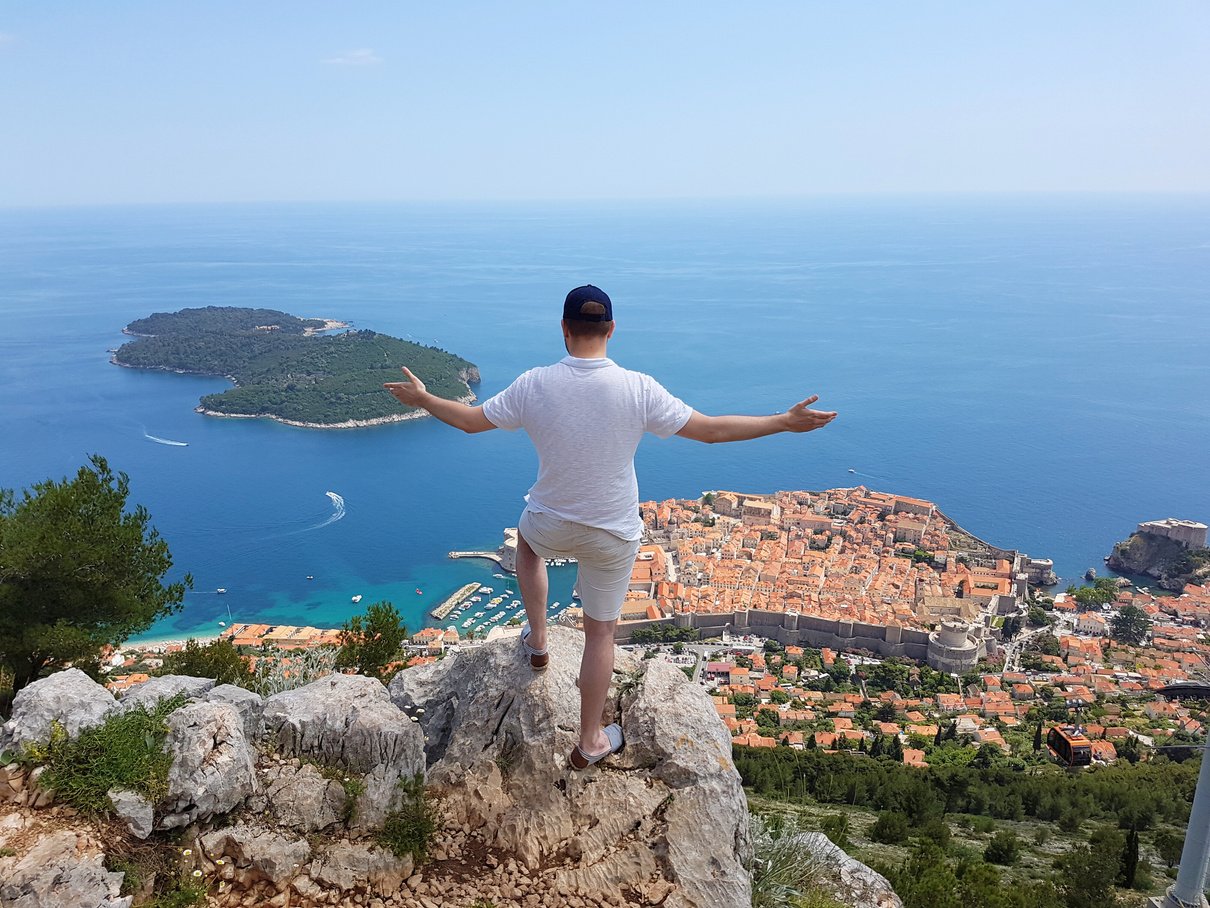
(371,642)
(1130,625)
(77,571)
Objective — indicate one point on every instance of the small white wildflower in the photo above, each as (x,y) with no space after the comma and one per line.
(187,852)
(197,873)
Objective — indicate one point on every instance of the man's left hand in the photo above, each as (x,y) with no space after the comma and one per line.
(410,393)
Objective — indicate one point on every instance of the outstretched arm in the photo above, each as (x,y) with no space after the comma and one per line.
(714,429)
(412,393)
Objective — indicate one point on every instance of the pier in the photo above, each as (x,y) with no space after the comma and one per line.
(490,556)
(441,611)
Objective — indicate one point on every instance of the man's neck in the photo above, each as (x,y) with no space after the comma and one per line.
(592,349)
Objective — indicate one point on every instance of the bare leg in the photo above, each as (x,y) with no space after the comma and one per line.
(596,671)
(531,577)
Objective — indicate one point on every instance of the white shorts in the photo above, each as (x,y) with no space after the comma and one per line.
(605,560)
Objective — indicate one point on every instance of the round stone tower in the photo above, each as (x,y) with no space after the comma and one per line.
(953,648)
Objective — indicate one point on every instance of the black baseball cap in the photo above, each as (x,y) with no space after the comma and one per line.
(573,305)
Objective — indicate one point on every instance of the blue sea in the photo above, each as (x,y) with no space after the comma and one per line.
(1035,365)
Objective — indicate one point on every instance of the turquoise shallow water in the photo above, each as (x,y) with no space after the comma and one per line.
(1036,366)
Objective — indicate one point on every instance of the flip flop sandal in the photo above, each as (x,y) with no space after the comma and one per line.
(581,760)
(538,658)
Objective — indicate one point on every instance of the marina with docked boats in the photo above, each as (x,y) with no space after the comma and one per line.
(503,607)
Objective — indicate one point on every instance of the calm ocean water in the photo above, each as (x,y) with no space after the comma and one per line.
(1036,366)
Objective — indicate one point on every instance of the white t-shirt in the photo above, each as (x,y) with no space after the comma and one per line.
(585,417)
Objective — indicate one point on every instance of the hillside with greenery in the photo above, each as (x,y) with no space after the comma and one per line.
(988,833)
(284,370)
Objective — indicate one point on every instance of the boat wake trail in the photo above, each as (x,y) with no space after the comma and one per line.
(165,441)
(338,511)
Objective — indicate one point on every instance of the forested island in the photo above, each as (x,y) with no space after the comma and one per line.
(291,369)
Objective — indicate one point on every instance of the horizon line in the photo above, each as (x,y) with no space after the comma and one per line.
(625,200)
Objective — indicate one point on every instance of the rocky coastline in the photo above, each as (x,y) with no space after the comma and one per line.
(349,424)
(1166,561)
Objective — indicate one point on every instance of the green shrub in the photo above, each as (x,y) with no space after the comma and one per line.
(1003,848)
(411,828)
(782,869)
(815,899)
(183,895)
(126,751)
(218,659)
(983,825)
(935,830)
(891,828)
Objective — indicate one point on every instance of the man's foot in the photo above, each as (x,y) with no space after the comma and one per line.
(612,742)
(538,658)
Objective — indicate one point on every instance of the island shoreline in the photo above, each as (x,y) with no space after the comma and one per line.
(328,325)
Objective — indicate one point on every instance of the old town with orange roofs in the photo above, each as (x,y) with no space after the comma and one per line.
(850,618)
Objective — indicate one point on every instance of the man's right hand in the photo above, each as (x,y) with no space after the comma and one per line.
(800,418)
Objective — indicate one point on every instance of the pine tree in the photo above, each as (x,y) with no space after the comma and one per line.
(1130,858)
(895,751)
(78,571)
(876,748)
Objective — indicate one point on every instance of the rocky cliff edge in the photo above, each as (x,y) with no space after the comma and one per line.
(278,801)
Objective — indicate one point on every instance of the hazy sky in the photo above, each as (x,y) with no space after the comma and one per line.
(227,101)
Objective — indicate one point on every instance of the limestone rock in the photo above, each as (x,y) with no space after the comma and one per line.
(848,880)
(212,765)
(380,796)
(263,855)
(353,865)
(303,800)
(151,692)
(250,706)
(69,697)
(135,810)
(347,721)
(669,806)
(61,869)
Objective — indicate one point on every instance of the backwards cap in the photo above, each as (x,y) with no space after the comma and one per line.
(574,306)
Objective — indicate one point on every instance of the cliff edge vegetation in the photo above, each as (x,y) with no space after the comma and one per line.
(291,369)
(1169,562)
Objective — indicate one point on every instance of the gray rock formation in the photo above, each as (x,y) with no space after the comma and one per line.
(669,809)
(69,697)
(344,720)
(212,764)
(249,704)
(260,854)
(151,692)
(847,880)
(303,800)
(134,810)
(61,869)
(355,866)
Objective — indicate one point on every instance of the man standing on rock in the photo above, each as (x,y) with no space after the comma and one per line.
(585,415)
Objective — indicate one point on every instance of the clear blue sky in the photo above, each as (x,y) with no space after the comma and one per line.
(163,101)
